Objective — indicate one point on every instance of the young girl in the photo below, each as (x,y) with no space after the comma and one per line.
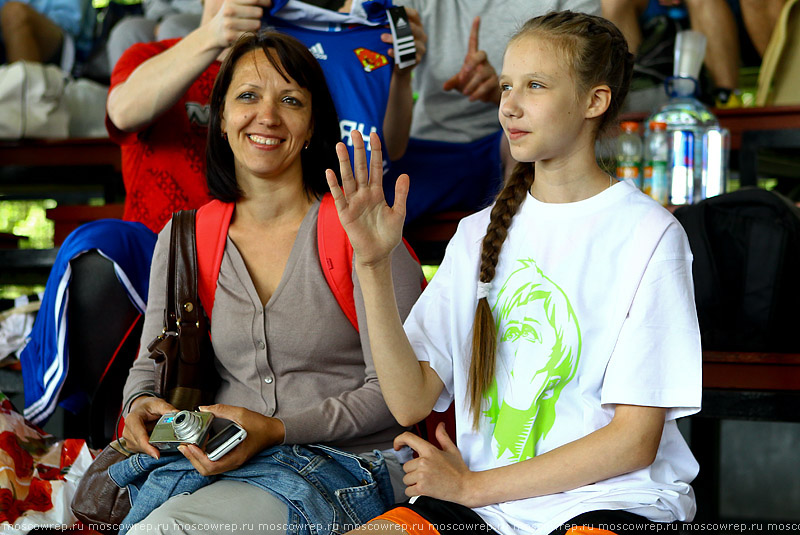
(561,322)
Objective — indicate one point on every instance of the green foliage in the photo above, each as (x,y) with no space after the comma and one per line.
(28,219)
(429,272)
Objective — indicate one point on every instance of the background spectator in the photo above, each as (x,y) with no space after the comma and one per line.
(723,22)
(46,31)
(162,19)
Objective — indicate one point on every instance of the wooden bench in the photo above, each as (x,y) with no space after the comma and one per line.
(61,152)
(65,156)
(69,217)
(738,386)
(741,120)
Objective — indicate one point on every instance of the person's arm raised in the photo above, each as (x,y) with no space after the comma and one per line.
(158,83)
(397,119)
(409,387)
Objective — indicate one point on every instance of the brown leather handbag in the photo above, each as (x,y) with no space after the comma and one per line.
(184,375)
(182,354)
(98,502)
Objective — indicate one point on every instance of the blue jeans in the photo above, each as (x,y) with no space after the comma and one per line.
(326,490)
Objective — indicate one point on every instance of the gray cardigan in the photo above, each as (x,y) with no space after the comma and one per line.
(298,358)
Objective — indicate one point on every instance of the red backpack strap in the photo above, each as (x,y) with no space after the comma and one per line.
(336,257)
(212,222)
(424,282)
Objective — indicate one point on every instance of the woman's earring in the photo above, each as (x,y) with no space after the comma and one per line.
(224,135)
(306,144)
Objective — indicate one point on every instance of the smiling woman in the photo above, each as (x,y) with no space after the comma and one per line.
(266,120)
(271,87)
(293,369)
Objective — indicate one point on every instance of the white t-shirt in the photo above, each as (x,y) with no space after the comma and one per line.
(594,306)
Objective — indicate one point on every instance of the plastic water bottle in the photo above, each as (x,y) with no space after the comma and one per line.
(656,161)
(698,147)
(629,153)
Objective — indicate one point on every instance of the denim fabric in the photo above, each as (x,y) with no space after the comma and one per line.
(327,491)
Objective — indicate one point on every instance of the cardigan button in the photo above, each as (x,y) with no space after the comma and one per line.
(268,380)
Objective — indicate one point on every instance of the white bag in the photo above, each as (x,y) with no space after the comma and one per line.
(86,105)
(31,103)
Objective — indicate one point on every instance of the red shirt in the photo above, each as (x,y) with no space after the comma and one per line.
(163,166)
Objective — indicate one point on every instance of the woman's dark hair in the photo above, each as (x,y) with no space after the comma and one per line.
(292,60)
(596,53)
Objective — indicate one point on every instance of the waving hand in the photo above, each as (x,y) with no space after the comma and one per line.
(374,227)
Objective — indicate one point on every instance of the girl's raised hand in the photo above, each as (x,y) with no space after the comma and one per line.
(374,227)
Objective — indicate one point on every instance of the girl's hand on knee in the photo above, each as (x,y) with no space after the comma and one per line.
(262,432)
(374,227)
(145,411)
(440,474)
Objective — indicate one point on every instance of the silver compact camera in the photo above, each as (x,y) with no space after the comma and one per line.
(184,427)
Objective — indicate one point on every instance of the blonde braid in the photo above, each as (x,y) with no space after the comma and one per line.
(484,333)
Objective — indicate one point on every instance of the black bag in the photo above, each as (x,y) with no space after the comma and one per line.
(746,247)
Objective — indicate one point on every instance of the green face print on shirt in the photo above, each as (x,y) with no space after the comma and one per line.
(538,345)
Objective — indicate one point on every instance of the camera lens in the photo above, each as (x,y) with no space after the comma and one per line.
(187,426)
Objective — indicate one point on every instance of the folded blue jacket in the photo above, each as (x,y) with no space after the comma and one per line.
(326,490)
(45,360)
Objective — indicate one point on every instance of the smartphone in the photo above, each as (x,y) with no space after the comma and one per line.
(225,441)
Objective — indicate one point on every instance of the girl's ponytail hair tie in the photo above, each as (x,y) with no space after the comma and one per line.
(483,289)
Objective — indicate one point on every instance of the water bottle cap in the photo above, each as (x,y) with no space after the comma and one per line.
(657,125)
(629,126)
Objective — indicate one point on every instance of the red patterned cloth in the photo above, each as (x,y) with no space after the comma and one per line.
(38,474)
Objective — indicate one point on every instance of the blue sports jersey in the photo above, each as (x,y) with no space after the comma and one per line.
(355,61)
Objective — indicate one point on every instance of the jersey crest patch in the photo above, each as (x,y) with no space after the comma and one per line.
(370,60)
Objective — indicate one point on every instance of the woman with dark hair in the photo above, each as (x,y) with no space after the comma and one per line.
(293,369)
(290,59)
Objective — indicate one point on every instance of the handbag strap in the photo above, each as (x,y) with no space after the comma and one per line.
(184,314)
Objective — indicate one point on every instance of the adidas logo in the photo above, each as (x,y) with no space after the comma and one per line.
(318,52)
(401,23)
